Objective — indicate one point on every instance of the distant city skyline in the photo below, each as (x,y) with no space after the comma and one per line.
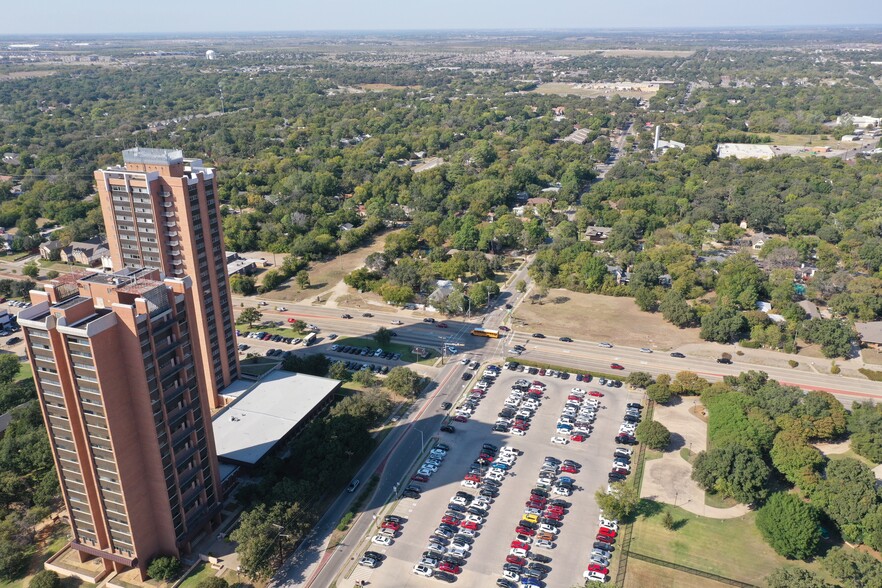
(62,17)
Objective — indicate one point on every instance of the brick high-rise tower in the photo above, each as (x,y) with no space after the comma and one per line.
(126,409)
(161,211)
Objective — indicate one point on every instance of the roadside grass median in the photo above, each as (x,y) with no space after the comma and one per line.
(572,370)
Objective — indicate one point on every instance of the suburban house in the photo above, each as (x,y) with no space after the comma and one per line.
(755,241)
(51,250)
(439,295)
(621,276)
(810,308)
(91,253)
(238,265)
(597,234)
(870,334)
(347,227)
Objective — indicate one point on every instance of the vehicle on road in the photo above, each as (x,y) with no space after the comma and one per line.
(489,333)
(566,339)
(678,355)
(645,350)
(616,366)
(346,316)
(605,345)
(538,336)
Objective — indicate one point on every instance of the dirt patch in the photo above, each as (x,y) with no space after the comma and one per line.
(872,356)
(599,318)
(21,75)
(595,89)
(381,87)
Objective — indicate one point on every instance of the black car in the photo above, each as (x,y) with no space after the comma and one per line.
(604,546)
(414,488)
(448,429)
(394,519)
(725,360)
(629,418)
(446,527)
(477,511)
(436,540)
(446,405)
(636,405)
(538,557)
(444,577)
(490,447)
(464,539)
(410,494)
(503,583)
(456,508)
(559,502)
(551,522)
(508,306)
(453,560)
(528,525)
(626,440)
(538,336)
(467,376)
(428,320)
(570,462)
(529,573)
(464,494)
(677,354)
(443,446)
(510,567)
(615,477)
(489,493)
(491,484)
(458,515)
(540,492)
(566,339)
(375,555)
(500,428)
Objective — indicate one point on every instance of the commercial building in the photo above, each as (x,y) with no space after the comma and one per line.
(125,404)
(161,211)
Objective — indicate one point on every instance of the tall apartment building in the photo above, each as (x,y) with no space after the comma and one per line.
(127,412)
(161,211)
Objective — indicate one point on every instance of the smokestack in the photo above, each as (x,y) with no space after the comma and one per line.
(657,132)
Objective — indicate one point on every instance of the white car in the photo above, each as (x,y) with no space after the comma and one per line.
(577,391)
(514,577)
(429,466)
(645,350)
(624,451)
(544,480)
(545,543)
(560,440)
(549,529)
(482,385)
(468,484)
(517,552)
(456,552)
(518,432)
(511,450)
(496,476)
(594,576)
(422,570)
(381,540)
(480,502)
(534,511)
(475,518)
(561,491)
(609,523)
(459,500)
(605,345)
(622,465)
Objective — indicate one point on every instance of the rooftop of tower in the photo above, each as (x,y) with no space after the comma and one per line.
(147,155)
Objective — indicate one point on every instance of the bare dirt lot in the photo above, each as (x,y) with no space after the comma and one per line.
(595,318)
(662,53)
(593,90)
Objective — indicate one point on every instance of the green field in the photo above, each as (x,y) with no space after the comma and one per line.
(404,350)
(700,543)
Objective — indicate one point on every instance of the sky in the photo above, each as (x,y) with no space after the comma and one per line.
(71,17)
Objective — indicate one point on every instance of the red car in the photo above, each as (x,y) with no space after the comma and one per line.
(461,419)
(478,391)
(552,516)
(554,510)
(536,498)
(292,320)
(595,393)
(525,531)
(622,471)
(597,568)
(393,526)
(569,469)
(441,325)
(606,531)
(486,456)
(574,398)
(518,561)
(450,568)
(448,521)
(538,384)
(419,478)
(615,366)
(604,538)
(520,545)
(577,437)
(470,525)
(473,477)
(542,372)
(536,505)
(504,329)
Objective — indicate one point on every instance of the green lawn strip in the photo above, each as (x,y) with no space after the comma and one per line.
(850,454)
(717,500)
(732,548)
(24,372)
(572,370)
(404,350)
(199,573)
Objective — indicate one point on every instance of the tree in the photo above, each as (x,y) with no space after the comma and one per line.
(618,504)
(855,569)
(658,392)
(668,521)
(298,326)
(833,335)
(272,279)
(640,379)
(653,434)
(244,285)
(741,282)
(302,279)
(722,324)
(250,315)
(212,582)
(676,310)
(338,371)
(51,275)
(847,494)
(789,525)
(688,383)
(732,470)
(45,579)
(266,533)
(9,367)
(366,378)
(164,568)
(646,299)
(31,270)
(793,456)
(403,381)
(791,577)
(383,336)
(521,286)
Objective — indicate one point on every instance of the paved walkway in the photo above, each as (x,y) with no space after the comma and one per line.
(668,479)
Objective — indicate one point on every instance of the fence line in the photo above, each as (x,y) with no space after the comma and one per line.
(689,570)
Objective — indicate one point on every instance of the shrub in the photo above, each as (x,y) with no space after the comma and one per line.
(344,522)
(835,369)
(658,392)
(789,525)
(213,582)
(668,521)
(872,375)
(45,579)
(792,363)
(750,344)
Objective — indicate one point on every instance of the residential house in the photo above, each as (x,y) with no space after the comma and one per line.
(665,280)
(438,296)
(621,276)
(51,250)
(870,334)
(810,308)
(91,253)
(755,241)
(597,234)
(347,227)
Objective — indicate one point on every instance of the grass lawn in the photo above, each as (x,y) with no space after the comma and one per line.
(24,372)
(643,574)
(732,548)
(257,366)
(851,454)
(198,574)
(404,350)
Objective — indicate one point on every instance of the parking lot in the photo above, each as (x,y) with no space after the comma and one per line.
(484,563)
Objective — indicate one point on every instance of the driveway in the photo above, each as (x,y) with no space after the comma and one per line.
(668,479)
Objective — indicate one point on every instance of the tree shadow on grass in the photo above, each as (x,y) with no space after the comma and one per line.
(647,508)
(679,524)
